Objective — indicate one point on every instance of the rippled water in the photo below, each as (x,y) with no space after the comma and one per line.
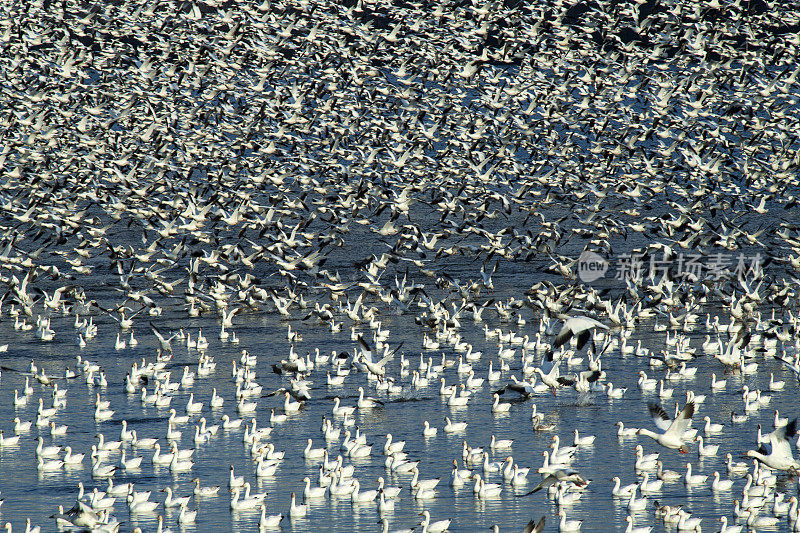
(28,494)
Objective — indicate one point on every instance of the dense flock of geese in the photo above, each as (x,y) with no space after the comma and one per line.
(348,167)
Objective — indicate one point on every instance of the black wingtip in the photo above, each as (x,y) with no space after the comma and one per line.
(791,429)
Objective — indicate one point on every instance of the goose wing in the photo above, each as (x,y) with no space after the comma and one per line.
(590,375)
(366,349)
(682,421)
(537,527)
(550,364)
(779,440)
(580,326)
(660,417)
(390,356)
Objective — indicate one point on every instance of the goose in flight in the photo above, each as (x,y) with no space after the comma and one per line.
(779,455)
(166,342)
(582,381)
(549,371)
(522,387)
(580,326)
(671,431)
(557,476)
(365,357)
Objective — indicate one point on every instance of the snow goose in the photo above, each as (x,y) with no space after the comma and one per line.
(636,504)
(193,406)
(268,522)
(687,523)
(725,528)
(390,447)
(646,486)
(719,485)
(779,456)
(237,504)
(711,428)
(672,431)
(500,444)
(622,491)
(423,484)
(159,458)
(310,492)
(568,525)
(498,407)
(172,502)
(667,476)
(644,462)
(558,476)
(433,527)
(486,490)
(454,427)
(130,464)
(587,440)
(204,492)
(144,442)
(775,385)
(230,425)
(706,450)
(718,384)
(510,473)
(366,402)
(390,492)
(71,458)
(358,496)
(185,516)
(693,479)
(739,468)
(312,453)
(46,452)
(296,510)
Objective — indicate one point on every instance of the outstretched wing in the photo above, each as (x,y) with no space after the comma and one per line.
(543,484)
(366,349)
(564,335)
(538,527)
(567,381)
(591,375)
(779,439)
(551,362)
(660,417)
(682,421)
(390,356)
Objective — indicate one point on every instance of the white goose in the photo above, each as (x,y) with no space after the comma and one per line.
(672,431)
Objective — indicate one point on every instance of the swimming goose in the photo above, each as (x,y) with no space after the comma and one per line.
(171,501)
(693,479)
(720,484)
(389,492)
(46,452)
(625,491)
(204,492)
(568,525)
(296,510)
(707,450)
(433,527)
(268,522)
(245,503)
(358,496)
(313,453)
